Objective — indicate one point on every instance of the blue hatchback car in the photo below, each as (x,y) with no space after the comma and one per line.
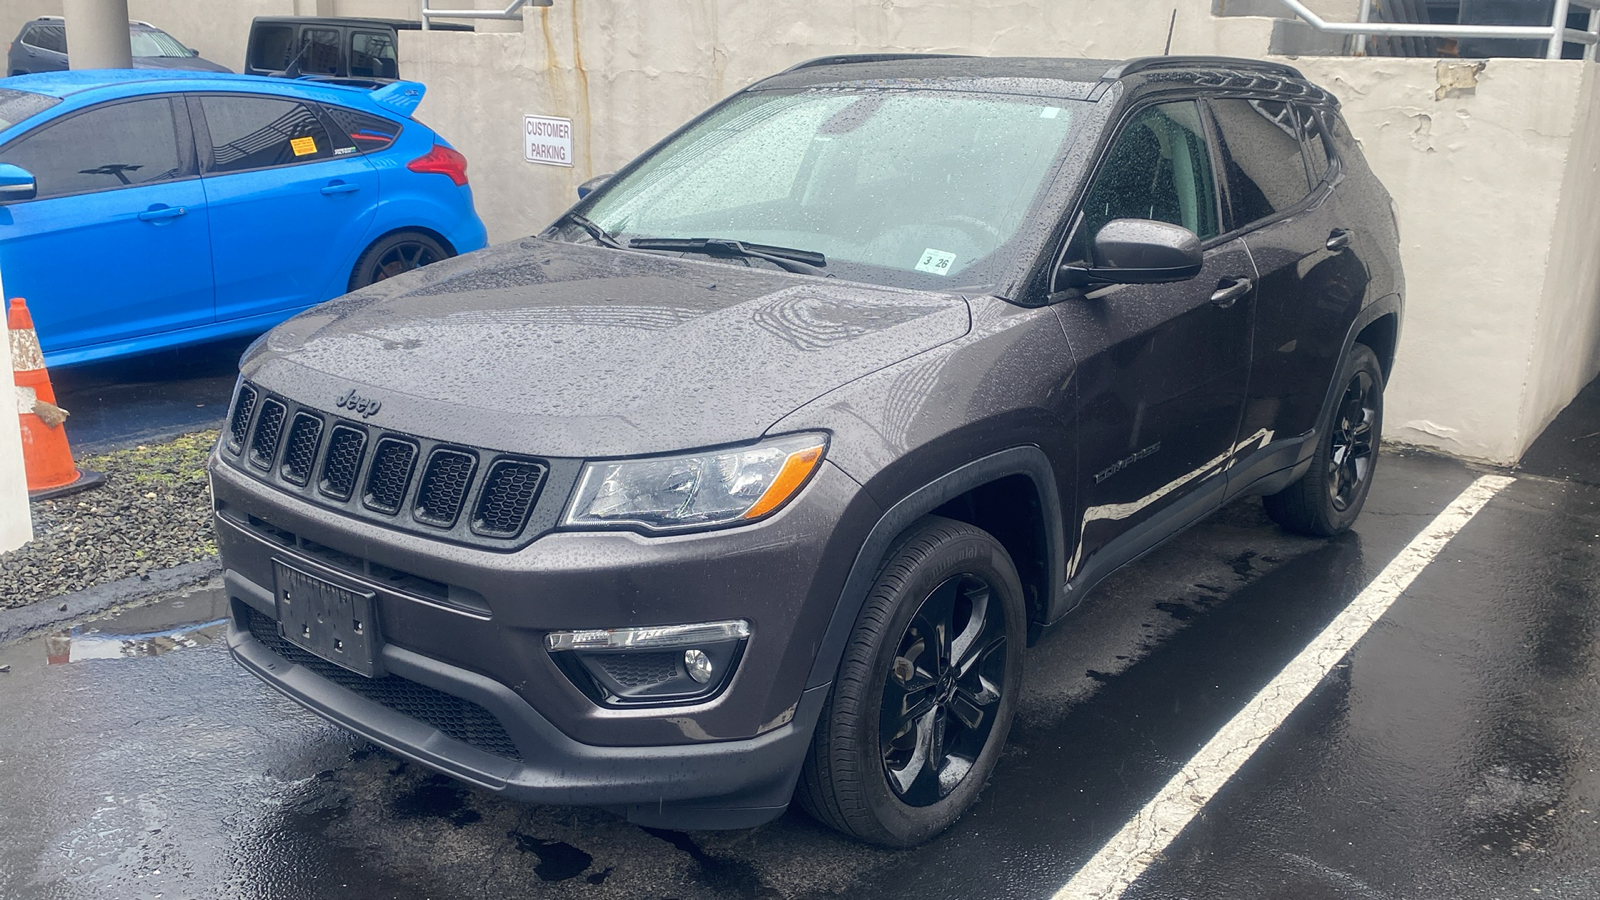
(143,210)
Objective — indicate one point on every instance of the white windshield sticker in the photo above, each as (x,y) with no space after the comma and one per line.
(936,262)
(1050,112)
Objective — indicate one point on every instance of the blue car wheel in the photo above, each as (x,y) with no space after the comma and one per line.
(394,254)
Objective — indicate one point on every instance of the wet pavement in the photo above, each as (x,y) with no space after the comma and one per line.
(148,398)
(1452,754)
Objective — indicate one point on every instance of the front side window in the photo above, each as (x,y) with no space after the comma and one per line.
(372,55)
(1159,168)
(901,187)
(259,132)
(1262,158)
(110,147)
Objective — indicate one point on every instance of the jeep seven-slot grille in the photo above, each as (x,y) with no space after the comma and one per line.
(466,494)
(269,427)
(444,486)
(304,435)
(389,475)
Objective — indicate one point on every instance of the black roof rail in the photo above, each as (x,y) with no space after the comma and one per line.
(848,58)
(1146,63)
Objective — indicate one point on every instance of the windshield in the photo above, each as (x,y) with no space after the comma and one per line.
(18,105)
(157,43)
(913,189)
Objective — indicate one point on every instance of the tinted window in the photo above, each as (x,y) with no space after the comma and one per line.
(361,131)
(319,51)
(372,55)
(1316,143)
(18,105)
(48,37)
(257,132)
(1261,155)
(1344,145)
(270,49)
(1159,168)
(110,147)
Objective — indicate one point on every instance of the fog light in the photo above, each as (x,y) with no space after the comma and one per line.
(650,665)
(698,664)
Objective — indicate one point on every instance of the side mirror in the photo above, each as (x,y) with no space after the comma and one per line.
(588,187)
(193,52)
(16,183)
(1138,251)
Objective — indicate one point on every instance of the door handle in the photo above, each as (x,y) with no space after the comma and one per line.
(340,187)
(1339,239)
(162,213)
(1229,290)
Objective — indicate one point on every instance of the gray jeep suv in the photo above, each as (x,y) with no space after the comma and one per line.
(752,476)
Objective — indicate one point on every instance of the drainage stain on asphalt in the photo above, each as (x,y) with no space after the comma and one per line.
(558,860)
(437,797)
(731,876)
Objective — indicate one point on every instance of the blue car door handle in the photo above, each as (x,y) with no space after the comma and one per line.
(161,212)
(340,187)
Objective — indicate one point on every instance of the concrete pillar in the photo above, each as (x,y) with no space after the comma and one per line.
(97,34)
(16,521)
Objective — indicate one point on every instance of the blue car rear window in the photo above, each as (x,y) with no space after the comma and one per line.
(18,105)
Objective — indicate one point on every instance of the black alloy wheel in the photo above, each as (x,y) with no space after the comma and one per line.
(1326,500)
(1352,447)
(394,255)
(925,692)
(942,690)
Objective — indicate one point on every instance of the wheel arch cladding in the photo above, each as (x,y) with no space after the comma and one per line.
(976,493)
(1382,335)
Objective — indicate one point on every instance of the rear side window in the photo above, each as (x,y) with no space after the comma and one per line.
(260,132)
(48,37)
(271,48)
(319,51)
(1159,168)
(372,55)
(106,148)
(1344,144)
(1262,158)
(1316,143)
(364,132)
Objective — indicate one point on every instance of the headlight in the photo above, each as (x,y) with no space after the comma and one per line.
(678,493)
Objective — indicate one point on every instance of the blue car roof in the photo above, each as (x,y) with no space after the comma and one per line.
(124,82)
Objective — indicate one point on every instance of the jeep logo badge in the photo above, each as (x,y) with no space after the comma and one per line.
(358,404)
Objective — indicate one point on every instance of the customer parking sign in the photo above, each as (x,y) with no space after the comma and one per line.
(547,141)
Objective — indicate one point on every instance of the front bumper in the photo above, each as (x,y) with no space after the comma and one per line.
(472,692)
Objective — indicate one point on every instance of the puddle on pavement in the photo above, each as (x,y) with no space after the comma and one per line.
(196,617)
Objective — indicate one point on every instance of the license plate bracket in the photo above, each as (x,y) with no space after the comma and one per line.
(334,622)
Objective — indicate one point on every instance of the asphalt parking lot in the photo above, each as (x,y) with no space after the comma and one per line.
(1452,753)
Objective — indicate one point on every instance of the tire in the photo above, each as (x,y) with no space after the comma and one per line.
(1326,500)
(871,785)
(395,253)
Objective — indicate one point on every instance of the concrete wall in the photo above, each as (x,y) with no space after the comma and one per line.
(1500,220)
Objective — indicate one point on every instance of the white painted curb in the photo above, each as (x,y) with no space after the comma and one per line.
(16,524)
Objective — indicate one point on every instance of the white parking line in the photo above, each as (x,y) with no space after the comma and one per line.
(1147,835)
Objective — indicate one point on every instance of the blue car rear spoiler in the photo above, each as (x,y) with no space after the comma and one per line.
(402,96)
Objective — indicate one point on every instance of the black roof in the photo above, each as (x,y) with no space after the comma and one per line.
(1079,79)
(358,21)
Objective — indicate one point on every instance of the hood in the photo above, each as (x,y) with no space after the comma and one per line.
(186,63)
(573,350)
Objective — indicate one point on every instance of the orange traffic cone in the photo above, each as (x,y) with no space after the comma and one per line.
(45,454)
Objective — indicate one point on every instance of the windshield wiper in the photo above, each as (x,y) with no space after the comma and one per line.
(801,262)
(600,235)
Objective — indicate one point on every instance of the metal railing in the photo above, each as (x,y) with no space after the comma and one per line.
(514,11)
(1556,33)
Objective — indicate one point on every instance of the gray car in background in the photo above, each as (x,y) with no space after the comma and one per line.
(41,46)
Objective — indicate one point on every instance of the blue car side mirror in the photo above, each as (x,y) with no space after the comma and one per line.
(16,183)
